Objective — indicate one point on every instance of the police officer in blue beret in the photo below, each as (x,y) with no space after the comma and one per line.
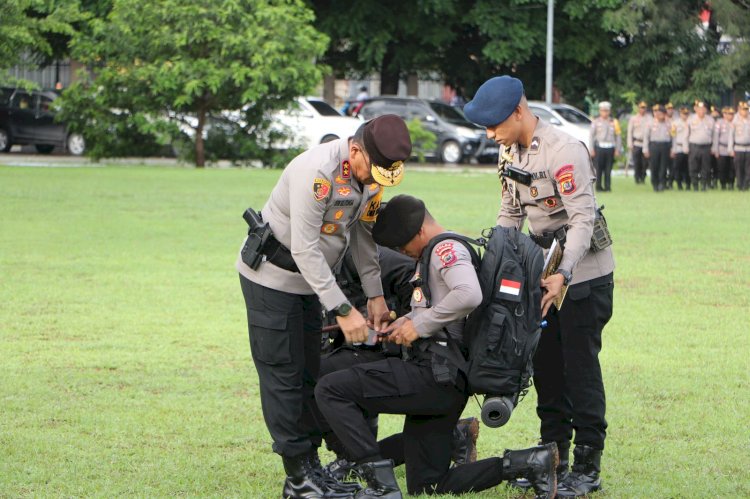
(557,197)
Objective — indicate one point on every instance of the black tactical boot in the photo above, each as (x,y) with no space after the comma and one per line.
(584,477)
(381,482)
(465,436)
(562,470)
(342,469)
(303,482)
(537,464)
(332,483)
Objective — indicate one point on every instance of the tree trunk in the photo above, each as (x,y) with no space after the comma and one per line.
(200,152)
(389,74)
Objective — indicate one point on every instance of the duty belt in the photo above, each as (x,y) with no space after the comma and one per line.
(545,238)
(279,255)
(605,145)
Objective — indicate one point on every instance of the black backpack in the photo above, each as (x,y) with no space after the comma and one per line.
(501,334)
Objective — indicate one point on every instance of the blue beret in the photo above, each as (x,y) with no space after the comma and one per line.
(495,100)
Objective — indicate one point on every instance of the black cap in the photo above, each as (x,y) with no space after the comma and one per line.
(399,221)
(388,144)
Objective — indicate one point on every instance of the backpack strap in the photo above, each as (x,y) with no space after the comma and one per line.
(424,261)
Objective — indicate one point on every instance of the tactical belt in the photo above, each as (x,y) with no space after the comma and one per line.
(545,238)
(637,143)
(279,255)
(605,145)
(703,146)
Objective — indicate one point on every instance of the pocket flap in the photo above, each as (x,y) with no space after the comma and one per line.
(579,291)
(267,320)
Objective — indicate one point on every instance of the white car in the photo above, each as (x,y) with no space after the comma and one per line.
(567,118)
(313,121)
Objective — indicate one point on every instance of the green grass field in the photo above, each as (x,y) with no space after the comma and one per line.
(125,366)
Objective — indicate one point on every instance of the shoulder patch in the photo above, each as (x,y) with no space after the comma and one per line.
(446,252)
(565,180)
(321,188)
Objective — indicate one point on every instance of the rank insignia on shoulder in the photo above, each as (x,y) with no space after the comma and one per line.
(329,229)
(533,191)
(417,295)
(346,169)
(534,144)
(344,191)
(565,180)
(321,189)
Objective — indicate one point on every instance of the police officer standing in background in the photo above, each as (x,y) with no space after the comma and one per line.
(742,146)
(680,133)
(559,203)
(657,143)
(723,148)
(327,198)
(636,130)
(700,139)
(604,144)
(670,170)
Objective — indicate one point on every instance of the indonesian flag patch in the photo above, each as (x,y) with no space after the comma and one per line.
(510,287)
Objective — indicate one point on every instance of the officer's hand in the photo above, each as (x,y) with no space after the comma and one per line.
(552,288)
(672,155)
(646,155)
(378,312)
(593,153)
(402,332)
(731,154)
(353,326)
(716,156)
(617,153)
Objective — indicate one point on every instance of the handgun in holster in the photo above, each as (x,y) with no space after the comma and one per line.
(257,236)
(600,237)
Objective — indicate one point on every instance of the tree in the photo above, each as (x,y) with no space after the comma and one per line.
(163,63)
(27,26)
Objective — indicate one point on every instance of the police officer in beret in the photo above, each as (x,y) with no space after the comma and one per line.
(326,199)
(559,204)
(427,384)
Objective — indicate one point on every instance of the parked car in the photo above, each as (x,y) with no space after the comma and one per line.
(28,118)
(458,139)
(567,118)
(313,121)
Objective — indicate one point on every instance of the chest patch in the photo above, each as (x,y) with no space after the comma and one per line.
(565,180)
(344,191)
(417,295)
(343,202)
(329,229)
(533,192)
(550,202)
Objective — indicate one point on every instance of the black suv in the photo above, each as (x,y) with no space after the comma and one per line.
(27,118)
(458,139)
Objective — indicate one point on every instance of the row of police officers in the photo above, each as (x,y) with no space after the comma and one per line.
(701,150)
(327,201)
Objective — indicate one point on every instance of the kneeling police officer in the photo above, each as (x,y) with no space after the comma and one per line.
(428,387)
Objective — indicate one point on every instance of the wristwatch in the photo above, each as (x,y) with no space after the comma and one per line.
(567,276)
(344,309)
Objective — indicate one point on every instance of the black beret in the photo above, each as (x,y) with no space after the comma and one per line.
(495,101)
(387,142)
(399,221)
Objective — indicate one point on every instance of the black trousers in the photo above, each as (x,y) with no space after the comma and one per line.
(659,163)
(681,174)
(699,163)
(639,164)
(726,171)
(567,374)
(285,331)
(604,159)
(394,386)
(742,169)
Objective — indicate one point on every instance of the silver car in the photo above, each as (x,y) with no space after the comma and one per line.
(569,119)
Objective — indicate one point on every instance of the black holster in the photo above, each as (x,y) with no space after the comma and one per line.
(257,238)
